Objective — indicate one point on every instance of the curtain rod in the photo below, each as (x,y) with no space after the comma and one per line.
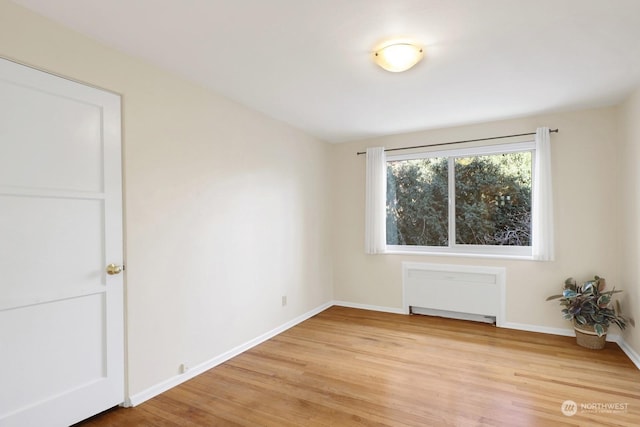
(459,142)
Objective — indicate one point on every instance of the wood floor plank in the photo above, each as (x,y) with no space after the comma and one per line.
(349,367)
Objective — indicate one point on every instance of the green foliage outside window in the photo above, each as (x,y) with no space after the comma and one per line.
(417,202)
(492,200)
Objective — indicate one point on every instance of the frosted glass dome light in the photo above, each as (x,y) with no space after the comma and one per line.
(398,57)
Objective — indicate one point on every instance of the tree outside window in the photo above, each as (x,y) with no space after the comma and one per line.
(491,197)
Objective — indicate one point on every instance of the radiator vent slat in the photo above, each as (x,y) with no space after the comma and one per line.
(458,291)
(451,276)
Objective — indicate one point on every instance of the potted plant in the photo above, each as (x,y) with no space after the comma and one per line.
(590,308)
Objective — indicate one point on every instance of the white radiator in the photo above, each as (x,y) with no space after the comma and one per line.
(458,291)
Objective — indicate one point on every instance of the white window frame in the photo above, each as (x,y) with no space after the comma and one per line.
(524,252)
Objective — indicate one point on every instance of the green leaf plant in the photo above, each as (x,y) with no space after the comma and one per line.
(589,304)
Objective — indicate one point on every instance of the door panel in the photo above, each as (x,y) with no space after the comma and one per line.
(61,315)
(56,355)
(64,126)
(61,251)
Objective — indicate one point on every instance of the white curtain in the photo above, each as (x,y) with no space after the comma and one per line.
(542,210)
(375,237)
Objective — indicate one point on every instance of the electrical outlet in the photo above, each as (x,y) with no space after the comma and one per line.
(284,300)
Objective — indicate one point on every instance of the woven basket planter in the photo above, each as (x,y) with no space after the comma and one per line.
(587,337)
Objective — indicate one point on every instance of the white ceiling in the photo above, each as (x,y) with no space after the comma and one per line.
(307,62)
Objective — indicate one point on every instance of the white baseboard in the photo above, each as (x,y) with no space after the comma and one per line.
(151,392)
(369,307)
(626,348)
(540,329)
(630,352)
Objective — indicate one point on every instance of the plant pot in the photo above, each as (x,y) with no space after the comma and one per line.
(587,337)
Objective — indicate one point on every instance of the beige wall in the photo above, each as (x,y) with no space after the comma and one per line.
(226,210)
(585,172)
(630,213)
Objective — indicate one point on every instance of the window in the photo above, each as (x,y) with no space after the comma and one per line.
(475,200)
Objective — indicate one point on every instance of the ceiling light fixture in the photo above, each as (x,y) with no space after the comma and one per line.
(398,56)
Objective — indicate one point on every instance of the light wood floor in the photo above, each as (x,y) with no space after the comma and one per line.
(347,367)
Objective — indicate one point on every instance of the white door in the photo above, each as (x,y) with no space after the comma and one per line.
(61,314)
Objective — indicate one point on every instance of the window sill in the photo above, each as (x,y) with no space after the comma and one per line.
(458,254)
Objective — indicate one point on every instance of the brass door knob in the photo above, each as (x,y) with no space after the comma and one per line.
(113,269)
